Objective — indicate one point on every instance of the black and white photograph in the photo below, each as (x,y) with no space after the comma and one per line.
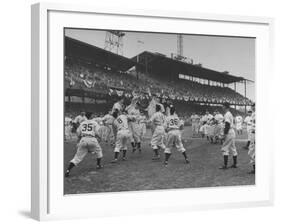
(157,111)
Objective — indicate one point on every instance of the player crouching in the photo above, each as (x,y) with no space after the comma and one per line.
(174,125)
(87,137)
(123,135)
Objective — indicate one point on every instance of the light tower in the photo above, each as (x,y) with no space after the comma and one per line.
(114,41)
(179,55)
(180,45)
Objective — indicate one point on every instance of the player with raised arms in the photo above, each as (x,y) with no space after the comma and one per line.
(87,134)
(119,105)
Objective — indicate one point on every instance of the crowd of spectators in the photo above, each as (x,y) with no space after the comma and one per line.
(96,77)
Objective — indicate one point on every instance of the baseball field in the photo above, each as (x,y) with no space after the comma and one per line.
(139,172)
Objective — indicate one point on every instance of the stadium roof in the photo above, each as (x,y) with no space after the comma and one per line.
(81,49)
(160,64)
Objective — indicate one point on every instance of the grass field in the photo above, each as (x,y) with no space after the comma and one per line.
(139,172)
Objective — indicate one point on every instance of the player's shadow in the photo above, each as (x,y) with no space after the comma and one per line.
(25,214)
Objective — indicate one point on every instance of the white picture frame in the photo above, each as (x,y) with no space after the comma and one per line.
(48,201)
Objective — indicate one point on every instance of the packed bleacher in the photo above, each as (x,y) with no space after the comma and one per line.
(93,77)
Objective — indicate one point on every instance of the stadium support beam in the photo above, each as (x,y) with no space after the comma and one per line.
(245,93)
(146,70)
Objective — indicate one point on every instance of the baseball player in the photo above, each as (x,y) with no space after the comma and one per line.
(119,105)
(211,130)
(88,143)
(107,131)
(123,134)
(218,117)
(219,125)
(208,116)
(194,124)
(152,105)
(174,125)
(248,121)
(229,138)
(134,127)
(157,140)
(239,122)
(78,120)
(138,128)
(68,127)
(142,123)
(252,146)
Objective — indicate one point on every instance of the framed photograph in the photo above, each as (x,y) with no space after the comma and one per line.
(151,111)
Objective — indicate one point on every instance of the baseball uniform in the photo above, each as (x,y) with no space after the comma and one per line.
(123,134)
(174,134)
(88,143)
(229,143)
(157,140)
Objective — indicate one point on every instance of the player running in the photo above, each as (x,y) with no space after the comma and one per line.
(87,137)
(174,125)
(157,140)
(229,138)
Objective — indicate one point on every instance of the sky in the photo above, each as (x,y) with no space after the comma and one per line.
(233,54)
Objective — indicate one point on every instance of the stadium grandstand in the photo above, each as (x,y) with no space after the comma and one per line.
(95,78)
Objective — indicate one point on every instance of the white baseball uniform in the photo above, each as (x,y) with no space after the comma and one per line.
(106,131)
(252,147)
(142,124)
(249,120)
(174,134)
(194,123)
(229,143)
(219,118)
(157,140)
(87,130)
(123,132)
(117,106)
(134,125)
(219,127)
(67,127)
(79,119)
(238,121)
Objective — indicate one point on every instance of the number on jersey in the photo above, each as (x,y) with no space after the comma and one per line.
(174,122)
(87,127)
